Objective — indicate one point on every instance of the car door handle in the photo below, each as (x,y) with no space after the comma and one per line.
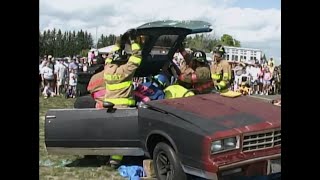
(50,117)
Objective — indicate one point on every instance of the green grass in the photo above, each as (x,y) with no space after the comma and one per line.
(53,167)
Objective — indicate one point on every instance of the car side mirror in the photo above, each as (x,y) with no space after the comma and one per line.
(109,106)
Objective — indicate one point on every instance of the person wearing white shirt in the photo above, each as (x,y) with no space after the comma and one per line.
(238,72)
(47,75)
(253,74)
(72,83)
(254,71)
(41,83)
(61,76)
(85,67)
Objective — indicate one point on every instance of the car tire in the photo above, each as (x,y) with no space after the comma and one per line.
(167,164)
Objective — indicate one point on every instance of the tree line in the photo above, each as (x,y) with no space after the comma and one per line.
(207,42)
(70,43)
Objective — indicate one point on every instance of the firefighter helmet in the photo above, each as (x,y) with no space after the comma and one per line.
(119,55)
(219,49)
(199,56)
(162,80)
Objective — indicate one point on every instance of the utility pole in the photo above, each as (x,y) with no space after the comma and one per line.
(96,37)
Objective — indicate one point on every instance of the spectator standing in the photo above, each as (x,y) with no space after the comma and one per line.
(47,75)
(61,76)
(255,79)
(270,61)
(72,83)
(260,76)
(85,67)
(91,57)
(80,65)
(271,68)
(73,66)
(266,81)
(238,70)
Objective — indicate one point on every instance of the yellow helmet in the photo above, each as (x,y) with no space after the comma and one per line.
(115,48)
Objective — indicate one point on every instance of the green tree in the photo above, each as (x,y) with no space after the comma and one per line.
(101,41)
(205,42)
(59,44)
(41,45)
(227,40)
(89,41)
(84,52)
(111,40)
(237,43)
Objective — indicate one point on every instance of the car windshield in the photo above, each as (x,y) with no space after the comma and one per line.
(163,44)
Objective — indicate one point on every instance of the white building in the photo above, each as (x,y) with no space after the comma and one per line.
(243,54)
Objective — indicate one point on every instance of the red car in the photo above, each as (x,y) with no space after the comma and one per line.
(208,136)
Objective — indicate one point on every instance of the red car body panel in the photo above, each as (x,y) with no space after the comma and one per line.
(268,117)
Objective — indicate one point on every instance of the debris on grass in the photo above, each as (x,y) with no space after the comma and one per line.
(49,163)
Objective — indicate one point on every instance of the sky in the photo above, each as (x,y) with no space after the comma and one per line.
(255,23)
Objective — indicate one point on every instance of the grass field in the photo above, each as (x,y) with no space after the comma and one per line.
(54,167)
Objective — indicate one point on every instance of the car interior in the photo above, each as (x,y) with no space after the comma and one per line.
(158,50)
(158,47)
(155,58)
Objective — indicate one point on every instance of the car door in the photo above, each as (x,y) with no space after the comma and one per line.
(92,131)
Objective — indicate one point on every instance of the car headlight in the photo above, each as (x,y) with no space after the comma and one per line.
(225,144)
(216,146)
(230,143)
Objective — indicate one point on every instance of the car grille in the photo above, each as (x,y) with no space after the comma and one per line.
(261,140)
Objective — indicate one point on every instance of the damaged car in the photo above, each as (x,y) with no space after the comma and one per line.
(208,135)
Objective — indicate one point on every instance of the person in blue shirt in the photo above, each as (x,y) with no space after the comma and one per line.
(152,90)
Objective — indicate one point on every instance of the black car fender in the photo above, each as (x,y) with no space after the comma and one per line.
(164,135)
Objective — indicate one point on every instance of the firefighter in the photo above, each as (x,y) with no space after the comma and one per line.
(177,91)
(220,70)
(152,90)
(97,89)
(197,76)
(119,69)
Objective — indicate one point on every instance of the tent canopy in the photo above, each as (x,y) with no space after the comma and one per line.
(105,49)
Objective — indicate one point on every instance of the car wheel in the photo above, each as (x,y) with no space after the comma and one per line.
(167,164)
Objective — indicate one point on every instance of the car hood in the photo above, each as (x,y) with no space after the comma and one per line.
(213,113)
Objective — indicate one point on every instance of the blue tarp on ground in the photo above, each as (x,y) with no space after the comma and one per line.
(131,172)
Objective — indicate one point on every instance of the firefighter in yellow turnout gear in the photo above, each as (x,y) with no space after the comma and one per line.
(119,70)
(177,91)
(220,70)
(197,75)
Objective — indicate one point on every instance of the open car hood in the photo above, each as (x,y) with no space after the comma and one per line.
(164,36)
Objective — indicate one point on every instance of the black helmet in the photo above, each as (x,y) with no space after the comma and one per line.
(219,49)
(119,55)
(199,56)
